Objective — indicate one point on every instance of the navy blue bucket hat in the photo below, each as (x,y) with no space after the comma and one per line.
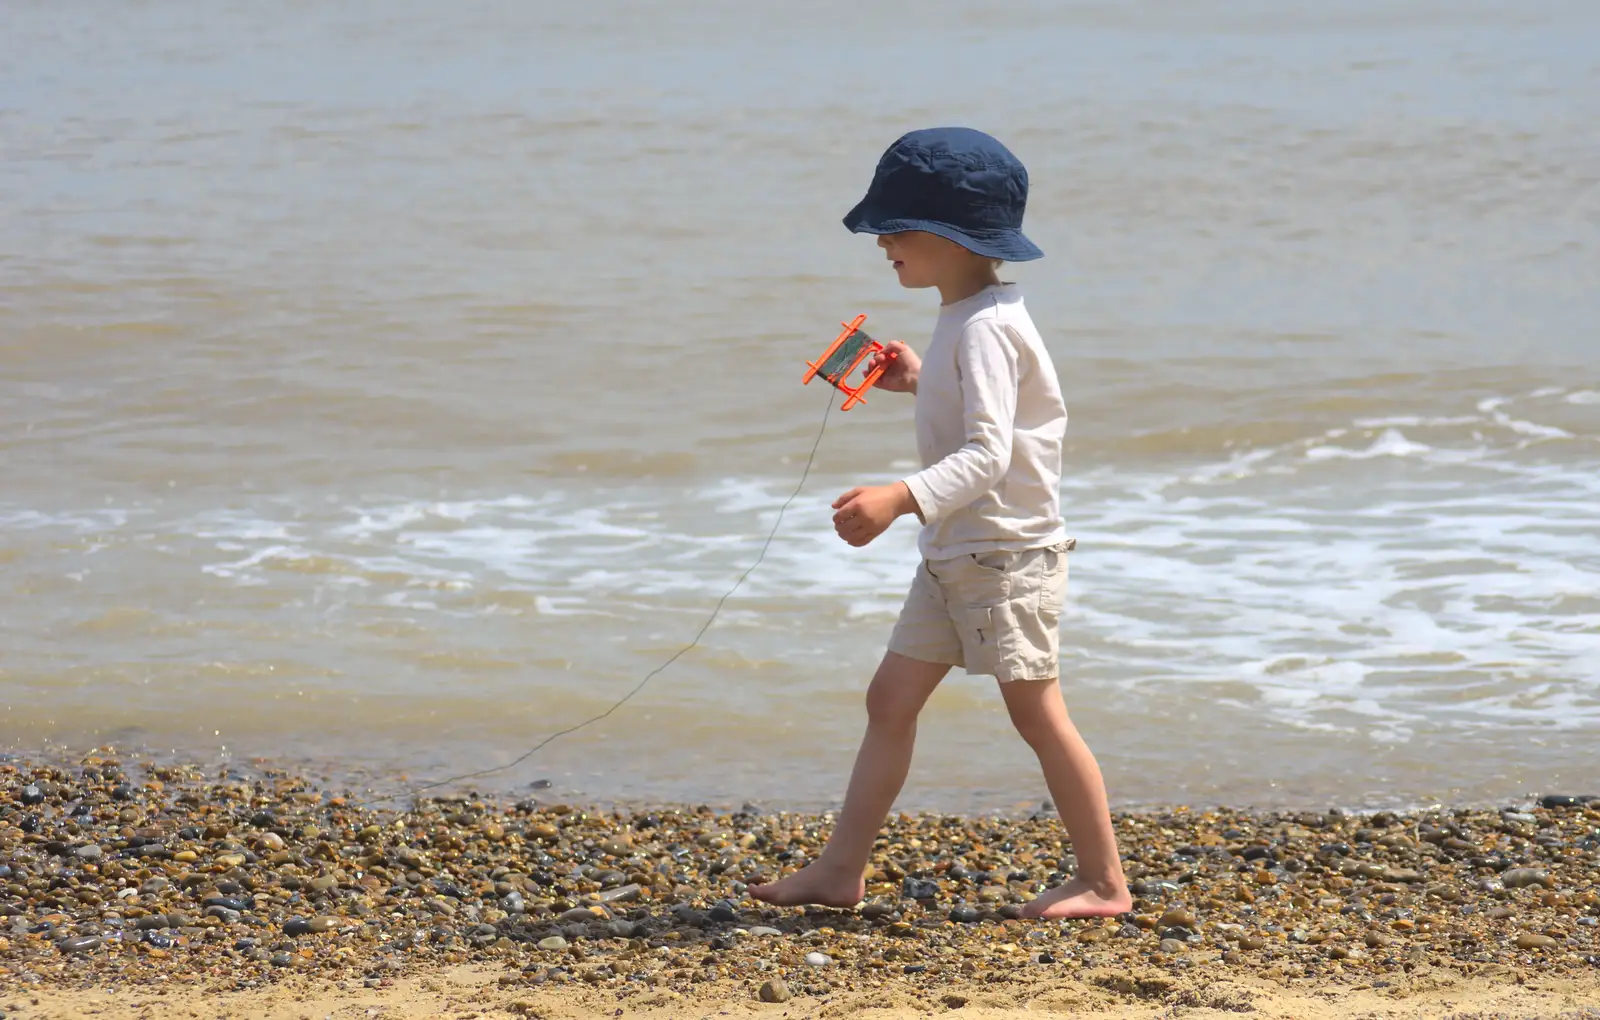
(955,182)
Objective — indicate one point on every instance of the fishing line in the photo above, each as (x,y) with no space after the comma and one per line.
(693,643)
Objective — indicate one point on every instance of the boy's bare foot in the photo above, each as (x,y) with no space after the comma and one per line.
(813,884)
(1079,898)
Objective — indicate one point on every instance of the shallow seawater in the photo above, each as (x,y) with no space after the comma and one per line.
(389,393)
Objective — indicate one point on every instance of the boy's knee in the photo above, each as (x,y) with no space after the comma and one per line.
(1032,723)
(890,703)
(887,706)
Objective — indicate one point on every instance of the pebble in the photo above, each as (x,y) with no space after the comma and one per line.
(775,991)
(1177,917)
(464,880)
(92,852)
(312,926)
(1560,800)
(622,893)
(79,944)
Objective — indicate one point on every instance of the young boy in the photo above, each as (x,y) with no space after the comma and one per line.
(947,207)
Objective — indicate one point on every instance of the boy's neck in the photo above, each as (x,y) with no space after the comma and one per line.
(965,285)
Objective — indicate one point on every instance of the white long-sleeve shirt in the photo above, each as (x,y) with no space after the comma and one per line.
(990,424)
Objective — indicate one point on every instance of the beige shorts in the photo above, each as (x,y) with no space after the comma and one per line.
(993,614)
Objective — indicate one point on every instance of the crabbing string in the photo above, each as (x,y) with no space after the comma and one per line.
(693,643)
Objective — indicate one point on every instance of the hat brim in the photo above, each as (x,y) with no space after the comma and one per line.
(1004,243)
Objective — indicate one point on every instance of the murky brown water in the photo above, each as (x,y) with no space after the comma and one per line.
(391,387)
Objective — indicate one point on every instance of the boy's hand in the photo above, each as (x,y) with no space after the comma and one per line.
(902,366)
(863,514)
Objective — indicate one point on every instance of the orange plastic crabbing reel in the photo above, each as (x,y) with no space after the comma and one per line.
(843,357)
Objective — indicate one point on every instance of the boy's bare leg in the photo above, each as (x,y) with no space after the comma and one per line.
(1070,771)
(894,700)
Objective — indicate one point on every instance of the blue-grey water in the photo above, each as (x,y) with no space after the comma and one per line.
(388,385)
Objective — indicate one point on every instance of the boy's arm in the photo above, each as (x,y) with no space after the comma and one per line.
(987,365)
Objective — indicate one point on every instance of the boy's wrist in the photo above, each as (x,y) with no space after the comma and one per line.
(906,501)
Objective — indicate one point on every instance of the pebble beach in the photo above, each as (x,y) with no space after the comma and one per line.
(124,883)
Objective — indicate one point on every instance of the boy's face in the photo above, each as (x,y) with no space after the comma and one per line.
(922,259)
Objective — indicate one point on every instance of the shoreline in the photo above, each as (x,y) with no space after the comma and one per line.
(367,782)
(121,883)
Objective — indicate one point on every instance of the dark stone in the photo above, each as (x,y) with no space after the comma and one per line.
(237,904)
(965,914)
(1562,800)
(687,915)
(79,944)
(32,795)
(296,926)
(263,820)
(281,959)
(915,968)
(722,913)
(159,940)
(919,889)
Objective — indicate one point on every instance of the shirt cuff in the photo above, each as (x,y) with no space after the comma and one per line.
(922,496)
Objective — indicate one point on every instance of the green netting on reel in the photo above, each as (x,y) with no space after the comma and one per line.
(837,364)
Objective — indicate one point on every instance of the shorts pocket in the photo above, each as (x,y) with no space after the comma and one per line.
(989,638)
(1052,583)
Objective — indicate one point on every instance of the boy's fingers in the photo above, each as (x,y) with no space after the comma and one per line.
(847,497)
